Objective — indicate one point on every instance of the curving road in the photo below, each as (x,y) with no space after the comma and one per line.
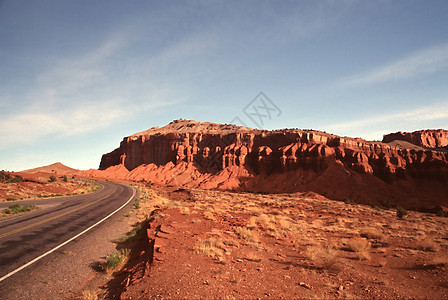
(32,235)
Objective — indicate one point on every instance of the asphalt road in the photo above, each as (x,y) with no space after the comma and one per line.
(26,237)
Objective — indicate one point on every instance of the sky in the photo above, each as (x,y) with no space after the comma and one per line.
(78,76)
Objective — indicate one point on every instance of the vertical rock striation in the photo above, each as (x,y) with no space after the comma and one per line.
(206,149)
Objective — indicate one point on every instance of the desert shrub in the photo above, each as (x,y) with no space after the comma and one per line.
(115,259)
(210,247)
(11,199)
(52,178)
(252,223)
(137,203)
(185,210)
(4,177)
(401,212)
(131,236)
(349,201)
(264,222)
(440,261)
(322,257)
(7,178)
(209,215)
(372,233)
(16,178)
(373,205)
(64,178)
(284,224)
(360,246)
(246,234)
(441,213)
(385,204)
(16,208)
(90,295)
(427,244)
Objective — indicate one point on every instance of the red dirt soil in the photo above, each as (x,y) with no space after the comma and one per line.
(227,245)
(37,182)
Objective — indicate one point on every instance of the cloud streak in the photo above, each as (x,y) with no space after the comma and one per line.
(81,94)
(427,61)
(30,125)
(374,127)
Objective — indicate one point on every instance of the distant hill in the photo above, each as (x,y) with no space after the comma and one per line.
(53,168)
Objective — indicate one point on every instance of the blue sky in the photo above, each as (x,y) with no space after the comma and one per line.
(78,76)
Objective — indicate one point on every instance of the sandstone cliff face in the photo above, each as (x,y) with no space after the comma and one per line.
(266,152)
(423,138)
(249,157)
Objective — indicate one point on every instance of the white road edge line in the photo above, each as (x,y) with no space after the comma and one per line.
(67,241)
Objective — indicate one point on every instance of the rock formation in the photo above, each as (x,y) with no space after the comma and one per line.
(211,155)
(423,138)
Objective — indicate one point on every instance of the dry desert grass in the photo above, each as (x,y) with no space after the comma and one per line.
(254,245)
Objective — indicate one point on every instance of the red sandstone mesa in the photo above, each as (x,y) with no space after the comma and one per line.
(424,138)
(209,155)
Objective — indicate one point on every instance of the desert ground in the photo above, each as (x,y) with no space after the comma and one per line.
(228,245)
(49,181)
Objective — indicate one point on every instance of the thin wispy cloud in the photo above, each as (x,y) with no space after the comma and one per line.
(426,61)
(83,93)
(373,127)
(121,68)
(31,125)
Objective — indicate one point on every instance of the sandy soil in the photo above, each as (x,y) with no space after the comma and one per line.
(217,244)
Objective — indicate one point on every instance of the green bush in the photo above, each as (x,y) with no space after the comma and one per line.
(349,201)
(137,203)
(401,212)
(441,213)
(4,177)
(16,208)
(16,178)
(52,178)
(130,237)
(7,178)
(115,259)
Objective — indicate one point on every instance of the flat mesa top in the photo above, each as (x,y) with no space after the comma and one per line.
(191,126)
